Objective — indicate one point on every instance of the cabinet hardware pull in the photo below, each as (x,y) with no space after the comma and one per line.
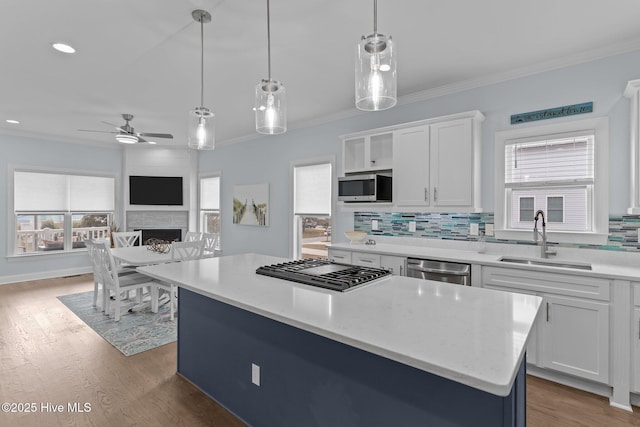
(435,194)
(426,194)
(366,260)
(547,312)
(401,271)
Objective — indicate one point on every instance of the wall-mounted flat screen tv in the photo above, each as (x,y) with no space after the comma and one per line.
(155,190)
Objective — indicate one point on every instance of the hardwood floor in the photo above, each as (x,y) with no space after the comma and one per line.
(49,356)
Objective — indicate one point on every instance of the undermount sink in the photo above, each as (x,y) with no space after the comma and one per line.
(547,263)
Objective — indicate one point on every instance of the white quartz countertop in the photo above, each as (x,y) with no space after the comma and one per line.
(469,335)
(625,271)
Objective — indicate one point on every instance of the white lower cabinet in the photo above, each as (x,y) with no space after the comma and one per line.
(365,259)
(635,341)
(339,256)
(572,334)
(574,337)
(397,265)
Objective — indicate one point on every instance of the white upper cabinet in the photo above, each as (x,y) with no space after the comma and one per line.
(451,163)
(633,93)
(367,153)
(438,165)
(435,163)
(410,167)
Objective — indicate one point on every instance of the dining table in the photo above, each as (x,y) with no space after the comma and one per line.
(137,256)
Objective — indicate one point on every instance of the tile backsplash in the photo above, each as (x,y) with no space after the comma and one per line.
(623,234)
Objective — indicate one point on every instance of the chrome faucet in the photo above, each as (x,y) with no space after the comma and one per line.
(544,251)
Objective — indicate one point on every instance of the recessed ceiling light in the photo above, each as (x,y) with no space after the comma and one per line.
(63,47)
(152,142)
(14,122)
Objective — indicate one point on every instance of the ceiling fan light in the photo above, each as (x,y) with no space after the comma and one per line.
(125,138)
(271,107)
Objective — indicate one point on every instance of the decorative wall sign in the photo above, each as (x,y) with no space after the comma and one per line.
(250,204)
(552,113)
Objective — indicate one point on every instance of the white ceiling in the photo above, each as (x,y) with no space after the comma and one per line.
(143,56)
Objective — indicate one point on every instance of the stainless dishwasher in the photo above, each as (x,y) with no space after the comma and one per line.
(440,271)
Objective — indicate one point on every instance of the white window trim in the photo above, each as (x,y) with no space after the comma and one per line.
(292,218)
(600,126)
(217,174)
(11,222)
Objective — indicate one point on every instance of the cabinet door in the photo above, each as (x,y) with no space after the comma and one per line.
(635,354)
(336,255)
(397,265)
(365,259)
(353,154)
(452,163)
(532,345)
(411,167)
(575,337)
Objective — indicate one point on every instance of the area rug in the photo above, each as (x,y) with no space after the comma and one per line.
(134,333)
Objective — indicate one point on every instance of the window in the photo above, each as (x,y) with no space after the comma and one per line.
(312,210)
(559,169)
(58,212)
(210,206)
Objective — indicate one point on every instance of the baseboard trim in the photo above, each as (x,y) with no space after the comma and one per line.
(6,280)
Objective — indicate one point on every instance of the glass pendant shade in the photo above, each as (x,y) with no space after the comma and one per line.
(201,129)
(271,107)
(376,80)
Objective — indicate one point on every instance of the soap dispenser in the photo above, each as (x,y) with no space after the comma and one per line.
(482,243)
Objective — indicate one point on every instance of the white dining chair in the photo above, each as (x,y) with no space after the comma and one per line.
(190,236)
(115,283)
(180,251)
(210,242)
(123,239)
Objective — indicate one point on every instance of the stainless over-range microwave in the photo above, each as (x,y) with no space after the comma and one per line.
(374,187)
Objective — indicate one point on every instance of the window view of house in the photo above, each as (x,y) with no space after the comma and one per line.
(312,210)
(210,207)
(555,175)
(58,212)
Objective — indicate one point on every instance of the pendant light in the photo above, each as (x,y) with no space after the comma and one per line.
(270,106)
(376,82)
(201,119)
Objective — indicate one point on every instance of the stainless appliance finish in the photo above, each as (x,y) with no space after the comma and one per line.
(450,272)
(323,273)
(374,187)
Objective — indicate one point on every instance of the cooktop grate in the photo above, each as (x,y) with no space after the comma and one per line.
(323,273)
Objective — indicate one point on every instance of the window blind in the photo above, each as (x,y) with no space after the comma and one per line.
(550,162)
(312,189)
(210,193)
(52,192)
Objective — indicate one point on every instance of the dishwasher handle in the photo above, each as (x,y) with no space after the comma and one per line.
(464,272)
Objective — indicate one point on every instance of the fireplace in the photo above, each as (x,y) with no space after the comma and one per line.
(166,234)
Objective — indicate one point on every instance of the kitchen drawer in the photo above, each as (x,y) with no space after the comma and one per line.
(342,257)
(548,283)
(365,259)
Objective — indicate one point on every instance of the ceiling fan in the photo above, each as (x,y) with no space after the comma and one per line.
(126,134)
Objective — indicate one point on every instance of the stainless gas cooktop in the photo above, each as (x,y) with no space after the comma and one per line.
(323,273)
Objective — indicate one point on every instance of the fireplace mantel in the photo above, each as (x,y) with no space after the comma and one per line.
(157,219)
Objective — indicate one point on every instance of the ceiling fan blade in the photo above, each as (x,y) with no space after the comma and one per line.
(100,131)
(115,126)
(156,135)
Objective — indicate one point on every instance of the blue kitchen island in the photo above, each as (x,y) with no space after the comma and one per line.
(397,351)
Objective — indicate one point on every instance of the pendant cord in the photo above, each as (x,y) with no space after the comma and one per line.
(375,17)
(201,61)
(268,41)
